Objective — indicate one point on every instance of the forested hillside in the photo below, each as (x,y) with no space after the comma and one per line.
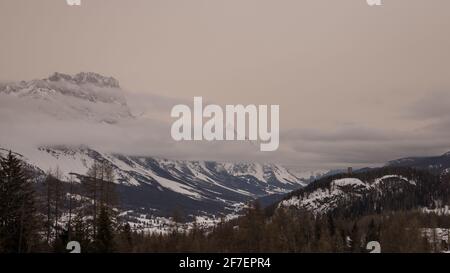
(403,209)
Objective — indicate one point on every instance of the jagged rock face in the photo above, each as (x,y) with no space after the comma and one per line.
(90,86)
(84,96)
(86,77)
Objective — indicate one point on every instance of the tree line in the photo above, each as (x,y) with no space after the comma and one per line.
(43,213)
(293,231)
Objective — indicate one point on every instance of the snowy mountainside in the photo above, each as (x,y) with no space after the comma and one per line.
(66,121)
(312,174)
(375,190)
(84,96)
(198,186)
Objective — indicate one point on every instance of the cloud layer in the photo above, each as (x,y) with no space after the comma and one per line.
(27,122)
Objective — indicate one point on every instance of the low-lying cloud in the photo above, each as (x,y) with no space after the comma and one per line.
(28,122)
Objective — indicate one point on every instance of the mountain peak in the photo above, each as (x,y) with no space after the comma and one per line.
(86,77)
(84,95)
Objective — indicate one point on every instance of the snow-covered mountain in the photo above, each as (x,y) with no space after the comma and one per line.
(372,191)
(162,185)
(326,199)
(145,182)
(84,96)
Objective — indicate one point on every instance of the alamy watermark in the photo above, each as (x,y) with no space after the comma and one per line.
(237,122)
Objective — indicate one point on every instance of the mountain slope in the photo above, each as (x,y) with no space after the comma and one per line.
(435,164)
(373,191)
(84,96)
(199,187)
(68,121)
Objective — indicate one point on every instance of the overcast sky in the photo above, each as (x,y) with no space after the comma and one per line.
(356,85)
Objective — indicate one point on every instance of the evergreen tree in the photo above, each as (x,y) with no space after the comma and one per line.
(98,186)
(80,232)
(54,204)
(18,215)
(104,239)
(251,229)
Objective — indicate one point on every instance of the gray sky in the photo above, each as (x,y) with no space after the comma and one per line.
(355,84)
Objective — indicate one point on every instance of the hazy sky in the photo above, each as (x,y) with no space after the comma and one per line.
(355,84)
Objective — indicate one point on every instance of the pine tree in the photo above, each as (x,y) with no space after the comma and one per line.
(18,215)
(99,187)
(48,205)
(252,229)
(54,203)
(104,240)
(90,185)
(80,231)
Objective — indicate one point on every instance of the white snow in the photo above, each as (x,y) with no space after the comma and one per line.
(347,182)
(283,175)
(323,199)
(177,187)
(379,180)
(439,211)
(307,175)
(76,162)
